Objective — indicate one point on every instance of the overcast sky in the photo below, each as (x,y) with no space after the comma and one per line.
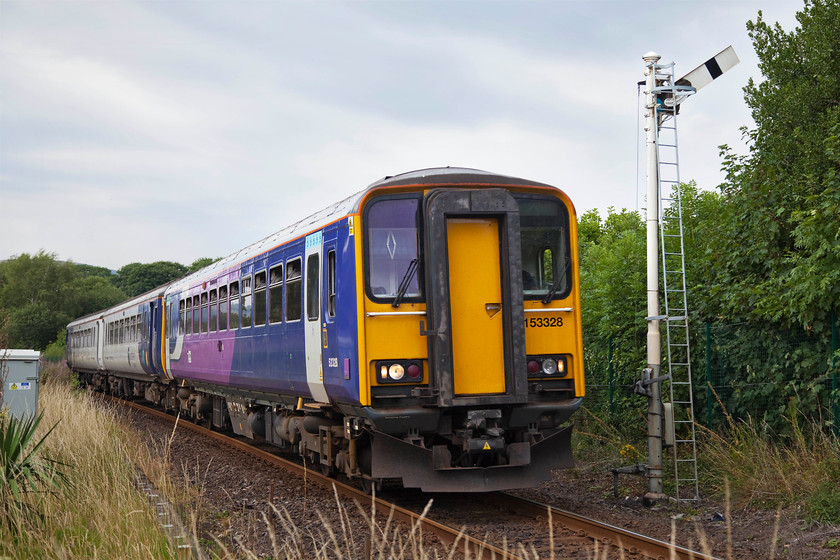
(174,130)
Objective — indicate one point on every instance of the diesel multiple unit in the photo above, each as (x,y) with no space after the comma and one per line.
(425,329)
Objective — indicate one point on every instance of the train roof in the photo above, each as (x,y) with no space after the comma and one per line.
(127,304)
(452,175)
(350,205)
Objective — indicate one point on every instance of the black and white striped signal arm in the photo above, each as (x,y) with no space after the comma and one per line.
(711,69)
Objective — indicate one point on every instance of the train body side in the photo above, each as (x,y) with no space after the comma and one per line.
(255,340)
(129,333)
(84,344)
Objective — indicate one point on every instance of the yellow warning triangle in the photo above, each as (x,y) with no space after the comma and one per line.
(486,446)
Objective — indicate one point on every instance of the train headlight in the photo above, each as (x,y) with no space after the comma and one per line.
(399,371)
(549,366)
(396,372)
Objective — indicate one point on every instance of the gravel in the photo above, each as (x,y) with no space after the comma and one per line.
(227,494)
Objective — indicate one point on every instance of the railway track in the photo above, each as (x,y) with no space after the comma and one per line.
(568,536)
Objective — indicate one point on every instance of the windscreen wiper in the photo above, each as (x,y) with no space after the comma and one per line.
(554,287)
(406,280)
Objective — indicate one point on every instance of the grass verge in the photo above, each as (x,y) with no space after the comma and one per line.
(100,514)
(766,471)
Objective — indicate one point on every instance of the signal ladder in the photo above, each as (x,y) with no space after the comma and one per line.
(669,95)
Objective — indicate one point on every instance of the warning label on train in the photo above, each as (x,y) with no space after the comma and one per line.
(20,386)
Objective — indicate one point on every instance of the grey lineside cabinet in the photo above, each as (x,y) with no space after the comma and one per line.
(19,370)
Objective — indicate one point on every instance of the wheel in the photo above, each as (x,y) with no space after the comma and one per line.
(328,470)
(371,484)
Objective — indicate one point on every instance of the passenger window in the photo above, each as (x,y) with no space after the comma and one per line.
(196,321)
(246,302)
(213,308)
(331,283)
(223,308)
(259,299)
(293,291)
(234,306)
(189,316)
(275,294)
(313,276)
(181,308)
(204,312)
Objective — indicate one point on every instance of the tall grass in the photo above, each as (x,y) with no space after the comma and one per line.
(767,471)
(101,514)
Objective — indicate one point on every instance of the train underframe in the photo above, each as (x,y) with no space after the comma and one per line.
(436,449)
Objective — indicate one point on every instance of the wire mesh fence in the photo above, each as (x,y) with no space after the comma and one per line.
(770,373)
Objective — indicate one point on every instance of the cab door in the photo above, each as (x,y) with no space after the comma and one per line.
(475,310)
(475,299)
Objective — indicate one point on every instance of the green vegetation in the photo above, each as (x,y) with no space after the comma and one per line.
(40,295)
(135,278)
(24,475)
(614,304)
(766,471)
(763,268)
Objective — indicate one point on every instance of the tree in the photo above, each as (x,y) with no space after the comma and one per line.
(41,295)
(783,197)
(613,301)
(93,293)
(37,294)
(136,278)
(90,270)
(766,265)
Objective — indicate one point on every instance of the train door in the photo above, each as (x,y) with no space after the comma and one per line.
(474,297)
(99,342)
(167,335)
(312,317)
(157,319)
(329,337)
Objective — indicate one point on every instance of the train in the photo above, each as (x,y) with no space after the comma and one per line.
(425,330)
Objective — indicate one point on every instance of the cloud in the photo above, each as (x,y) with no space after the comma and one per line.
(199,130)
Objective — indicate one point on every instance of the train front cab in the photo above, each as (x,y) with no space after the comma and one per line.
(475,358)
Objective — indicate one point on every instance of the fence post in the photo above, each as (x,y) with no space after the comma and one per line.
(834,385)
(610,362)
(709,376)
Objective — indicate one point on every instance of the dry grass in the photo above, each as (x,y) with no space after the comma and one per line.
(766,471)
(102,515)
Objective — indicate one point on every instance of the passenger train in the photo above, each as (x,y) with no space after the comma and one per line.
(426,329)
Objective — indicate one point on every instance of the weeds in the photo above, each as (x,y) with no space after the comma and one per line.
(25,475)
(105,516)
(767,471)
